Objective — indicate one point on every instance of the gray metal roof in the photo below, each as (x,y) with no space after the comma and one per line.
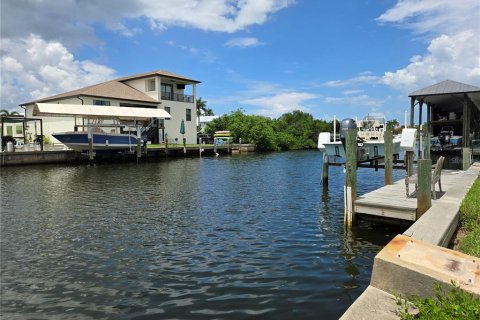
(445,87)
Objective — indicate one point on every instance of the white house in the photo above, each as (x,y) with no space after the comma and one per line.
(204,120)
(162,89)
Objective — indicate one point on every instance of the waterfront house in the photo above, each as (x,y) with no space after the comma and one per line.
(204,120)
(162,89)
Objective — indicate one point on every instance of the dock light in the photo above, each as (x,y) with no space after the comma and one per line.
(344,126)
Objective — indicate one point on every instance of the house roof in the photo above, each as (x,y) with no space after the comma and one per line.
(117,89)
(445,87)
(161,73)
(110,89)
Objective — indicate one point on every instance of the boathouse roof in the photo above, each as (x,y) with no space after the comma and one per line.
(445,87)
(447,92)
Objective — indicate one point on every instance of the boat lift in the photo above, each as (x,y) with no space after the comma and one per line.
(120,114)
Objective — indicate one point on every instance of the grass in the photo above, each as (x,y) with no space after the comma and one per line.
(470,221)
(455,304)
(452,305)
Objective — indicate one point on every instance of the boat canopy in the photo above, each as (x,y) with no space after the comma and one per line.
(122,113)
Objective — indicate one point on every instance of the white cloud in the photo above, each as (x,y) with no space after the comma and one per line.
(213,15)
(34,68)
(362,79)
(243,42)
(350,92)
(280,103)
(449,57)
(363,100)
(77,19)
(434,16)
(454,50)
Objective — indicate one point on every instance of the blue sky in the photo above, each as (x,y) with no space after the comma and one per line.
(268,57)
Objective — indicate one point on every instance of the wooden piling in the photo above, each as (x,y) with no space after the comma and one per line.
(424,189)
(427,145)
(325,168)
(166,146)
(388,145)
(350,189)
(409,162)
(200,148)
(139,144)
(91,154)
(466,155)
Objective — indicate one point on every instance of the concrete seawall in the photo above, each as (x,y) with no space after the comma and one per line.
(70,156)
(411,263)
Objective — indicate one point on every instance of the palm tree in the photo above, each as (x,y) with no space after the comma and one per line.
(5,112)
(202,109)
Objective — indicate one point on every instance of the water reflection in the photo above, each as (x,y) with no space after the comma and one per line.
(227,237)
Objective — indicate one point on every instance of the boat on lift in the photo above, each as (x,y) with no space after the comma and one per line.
(121,123)
(370,141)
(78,140)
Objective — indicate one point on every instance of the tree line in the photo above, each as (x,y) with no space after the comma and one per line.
(291,131)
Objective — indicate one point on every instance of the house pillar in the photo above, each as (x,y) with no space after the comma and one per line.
(197,120)
(420,151)
(412,110)
(466,152)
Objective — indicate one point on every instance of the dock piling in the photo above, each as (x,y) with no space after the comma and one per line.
(350,189)
(388,145)
(139,144)
(325,168)
(91,154)
(467,158)
(424,180)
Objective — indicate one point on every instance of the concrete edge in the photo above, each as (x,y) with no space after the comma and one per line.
(375,303)
(429,227)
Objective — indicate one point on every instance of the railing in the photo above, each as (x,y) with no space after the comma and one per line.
(177,97)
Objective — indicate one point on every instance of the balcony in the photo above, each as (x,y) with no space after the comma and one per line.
(177,97)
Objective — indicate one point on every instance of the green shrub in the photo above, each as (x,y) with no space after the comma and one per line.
(454,305)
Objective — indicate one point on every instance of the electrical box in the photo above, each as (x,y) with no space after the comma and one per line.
(409,138)
(323,137)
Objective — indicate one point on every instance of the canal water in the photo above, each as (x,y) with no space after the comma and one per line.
(230,237)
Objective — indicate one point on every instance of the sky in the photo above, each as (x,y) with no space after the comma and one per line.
(267,57)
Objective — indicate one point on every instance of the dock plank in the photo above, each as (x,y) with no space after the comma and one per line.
(391,201)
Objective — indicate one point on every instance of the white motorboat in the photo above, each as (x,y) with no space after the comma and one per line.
(370,132)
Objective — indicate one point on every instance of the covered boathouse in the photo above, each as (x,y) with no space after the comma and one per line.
(452,122)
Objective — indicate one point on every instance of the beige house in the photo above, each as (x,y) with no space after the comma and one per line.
(161,89)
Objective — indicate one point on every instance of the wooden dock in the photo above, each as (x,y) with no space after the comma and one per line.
(391,201)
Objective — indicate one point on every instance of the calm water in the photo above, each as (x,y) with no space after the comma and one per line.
(233,237)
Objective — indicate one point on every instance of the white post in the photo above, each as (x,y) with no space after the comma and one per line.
(420,149)
(406,115)
(334,129)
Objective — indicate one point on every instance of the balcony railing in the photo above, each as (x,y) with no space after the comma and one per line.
(177,97)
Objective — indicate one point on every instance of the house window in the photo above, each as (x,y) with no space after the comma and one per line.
(9,131)
(150,85)
(168,110)
(167,91)
(18,129)
(101,102)
(189,115)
